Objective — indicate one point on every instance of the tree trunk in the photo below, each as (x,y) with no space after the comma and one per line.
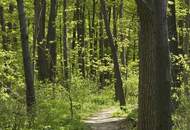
(173,42)
(117,74)
(81,34)
(93,42)
(30,93)
(51,40)
(101,48)
(2,23)
(123,54)
(40,7)
(115,22)
(154,78)
(65,50)
(174,49)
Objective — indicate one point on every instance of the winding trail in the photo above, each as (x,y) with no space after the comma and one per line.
(104,120)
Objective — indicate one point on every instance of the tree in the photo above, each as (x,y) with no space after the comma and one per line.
(30,92)
(154,78)
(101,48)
(173,43)
(65,49)
(51,40)
(11,26)
(176,67)
(42,62)
(118,83)
(123,54)
(2,23)
(93,41)
(80,14)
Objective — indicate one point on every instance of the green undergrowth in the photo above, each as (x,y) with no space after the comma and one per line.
(59,109)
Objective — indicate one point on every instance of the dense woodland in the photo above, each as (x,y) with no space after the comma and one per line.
(62,60)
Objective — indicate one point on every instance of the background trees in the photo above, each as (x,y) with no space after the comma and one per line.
(84,55)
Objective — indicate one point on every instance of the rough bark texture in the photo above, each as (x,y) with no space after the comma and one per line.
(154,78)
(117,74)
(30,93)
(51,40)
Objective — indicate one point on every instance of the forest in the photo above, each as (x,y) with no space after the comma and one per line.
(62,61)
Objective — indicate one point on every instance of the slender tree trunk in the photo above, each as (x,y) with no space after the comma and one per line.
(35,33)
(173,42)
(95,35)
(93,41)
(2,23)
(42,47)
(30,93)
(123,54)
(73,42)
(65,50)
(81,34)
(134,50)
(154,80)
(118,83)
(101,48)
(174,49)
(115,22)
(51,40)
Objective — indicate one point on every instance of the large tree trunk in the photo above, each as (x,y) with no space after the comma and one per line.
(30,93)
(154,80)
(51,40)
(117,74)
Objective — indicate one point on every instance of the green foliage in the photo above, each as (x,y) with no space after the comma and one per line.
(54,106)
(181,116)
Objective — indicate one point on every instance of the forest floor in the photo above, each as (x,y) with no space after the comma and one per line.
(104,120)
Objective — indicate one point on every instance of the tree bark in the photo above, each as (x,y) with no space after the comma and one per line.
(65,49)
(30,93)
(81,34)
(154,78)
(93,41)
(40,7)
(101,48)
(51,40)
(118,83)
(173,43)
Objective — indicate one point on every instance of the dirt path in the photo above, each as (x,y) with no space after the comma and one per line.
(104,120)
